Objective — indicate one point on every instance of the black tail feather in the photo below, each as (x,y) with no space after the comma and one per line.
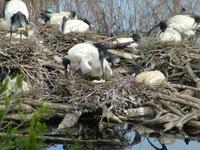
(19,20)
(197,18)
(44,15)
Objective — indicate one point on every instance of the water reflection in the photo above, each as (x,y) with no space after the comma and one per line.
(56,147)
(178,144)
(142,143)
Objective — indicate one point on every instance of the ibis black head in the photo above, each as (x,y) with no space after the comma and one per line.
(73,14)
(162,26)
(183,10)
(136,37)
(86,21)
(44,15)
(66,63)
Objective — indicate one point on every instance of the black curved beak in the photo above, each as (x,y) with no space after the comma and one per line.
(156,26)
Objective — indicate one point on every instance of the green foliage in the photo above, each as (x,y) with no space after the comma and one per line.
(4,85)
(19,81)
(32,129)
(31,141)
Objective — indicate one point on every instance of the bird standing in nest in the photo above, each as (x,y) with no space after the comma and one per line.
(16,14)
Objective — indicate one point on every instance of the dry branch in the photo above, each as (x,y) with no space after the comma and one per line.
(61,140)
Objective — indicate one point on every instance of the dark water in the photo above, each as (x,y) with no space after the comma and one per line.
(178,144)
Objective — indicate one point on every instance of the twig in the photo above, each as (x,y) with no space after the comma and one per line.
(171,108)
(188,98)
(180,86)
(193,75)
(178,100)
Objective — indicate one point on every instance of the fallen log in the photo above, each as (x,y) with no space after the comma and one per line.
(140,112)
(62,140)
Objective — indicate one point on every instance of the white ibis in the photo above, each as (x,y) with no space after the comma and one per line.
(56,18)
(89,59)
(13,87)
(76,25)
(184,24)
(135,39)
(152,78)
(166,33)
(17,16)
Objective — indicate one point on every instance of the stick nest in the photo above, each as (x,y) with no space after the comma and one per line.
(34,59)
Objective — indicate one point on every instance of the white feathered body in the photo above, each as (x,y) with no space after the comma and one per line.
(190,32)
(4,25)
(126,40)
(14,6)
(56,18)
(182,23)
(152,78)
(13,88)
(75,26)
(170,34)
(86,57)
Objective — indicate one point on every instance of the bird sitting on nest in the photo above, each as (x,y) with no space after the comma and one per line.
(12,85)
(56,18)
(152,78)
(135,38)
(172,29)
(166,33)
(74,25)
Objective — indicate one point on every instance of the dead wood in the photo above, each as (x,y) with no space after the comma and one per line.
(119,99)
(54,139)
(140,112)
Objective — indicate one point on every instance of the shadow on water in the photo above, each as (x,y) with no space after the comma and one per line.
(134,140)
(145,144)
